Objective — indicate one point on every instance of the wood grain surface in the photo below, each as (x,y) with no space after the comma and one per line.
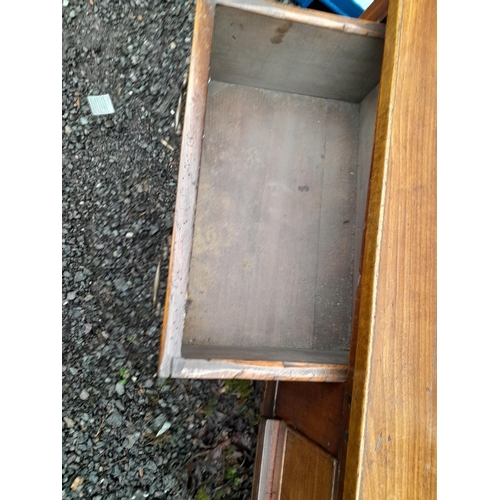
(313,409)
(308,472)
(268,455)
(265,354)
(312,17)
(278,54)
(376,11)
(367,119)
(391,451)
(257,370)
(314,144)
(274,229)
(189,165)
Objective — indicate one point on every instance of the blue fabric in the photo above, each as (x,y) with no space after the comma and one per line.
(347,8)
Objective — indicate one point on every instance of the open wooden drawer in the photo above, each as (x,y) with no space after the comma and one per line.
(276,153)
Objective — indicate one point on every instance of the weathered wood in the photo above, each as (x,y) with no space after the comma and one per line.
(278,54)
(335,243)
(255,370)
(265,354)
(263,239)
(391,451)
(270,451)
(376,11)
(312,17)
(273,239)
(182,233)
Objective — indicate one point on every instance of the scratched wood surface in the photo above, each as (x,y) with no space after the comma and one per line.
(391,452)
(257,370)
(268,455)
(278,54)
(363,27)
(182,233)
(273,242)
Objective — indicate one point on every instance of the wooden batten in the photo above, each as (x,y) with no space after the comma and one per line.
(182,233)
(376,11)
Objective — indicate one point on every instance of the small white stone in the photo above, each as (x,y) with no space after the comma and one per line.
(70,423)
(165,427)
(120,388)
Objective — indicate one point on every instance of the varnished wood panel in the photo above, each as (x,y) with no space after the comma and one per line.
(313,409)
(269,402)
(391,452)
(376,11)
(367,117)
(273,243)
(279,54)
(308,472)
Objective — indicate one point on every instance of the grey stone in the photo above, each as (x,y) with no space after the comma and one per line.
(121,284)
(104,159)
(115,419)
(84,395)
(152,466)
(132,439)
(79,276)
(158,422)
(120,389)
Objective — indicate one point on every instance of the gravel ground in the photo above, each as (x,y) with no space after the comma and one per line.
(125,432)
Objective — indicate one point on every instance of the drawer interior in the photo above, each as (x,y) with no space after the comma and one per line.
(285,160)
